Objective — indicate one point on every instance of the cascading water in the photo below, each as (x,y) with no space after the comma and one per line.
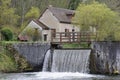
(67,61)
(47,61)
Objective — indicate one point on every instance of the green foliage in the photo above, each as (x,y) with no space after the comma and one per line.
(113,4)
(97,16)
(11,60)
(7,14)
(34,12)
(88,1)
(6,63)
(34,34)
(116,33)
(20,63)
(7,34)
(23,6)
(29,32)
(73,4)
(74,45)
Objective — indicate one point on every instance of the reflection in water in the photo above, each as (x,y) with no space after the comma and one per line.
(55,76)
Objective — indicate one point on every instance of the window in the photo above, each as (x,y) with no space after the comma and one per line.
(66,32)
(53,32)
(45,37)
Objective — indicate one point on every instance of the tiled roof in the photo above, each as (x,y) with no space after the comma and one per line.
(63,15)
(23,38)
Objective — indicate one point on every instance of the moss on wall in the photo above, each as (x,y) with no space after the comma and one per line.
(11,60)
(7,64)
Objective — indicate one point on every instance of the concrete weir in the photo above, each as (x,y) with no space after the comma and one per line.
(105,57)
(67,60)
(33,52)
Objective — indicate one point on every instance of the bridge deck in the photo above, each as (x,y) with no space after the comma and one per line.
(73,37)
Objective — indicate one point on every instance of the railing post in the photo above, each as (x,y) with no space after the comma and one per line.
(78,37)
(88,37)
(60,37)
(51,37)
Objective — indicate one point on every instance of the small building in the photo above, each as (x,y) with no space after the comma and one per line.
(52,20)
(28,34)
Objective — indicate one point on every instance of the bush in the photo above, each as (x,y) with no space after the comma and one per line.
(6,63)
(6,34)
(11,60)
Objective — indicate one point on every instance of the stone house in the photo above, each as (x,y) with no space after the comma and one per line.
(52,20)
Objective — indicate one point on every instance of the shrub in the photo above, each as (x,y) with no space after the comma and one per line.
(11,60)
(6,63)
(6,34)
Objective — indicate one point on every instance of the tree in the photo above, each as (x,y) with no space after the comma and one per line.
(23,6)
(113,4)
(7,14)
(74,3)
(33,33)
(97,16)
(36,35)
(117,34)
(34,12)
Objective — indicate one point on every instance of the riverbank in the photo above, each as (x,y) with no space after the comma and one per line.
(11,60)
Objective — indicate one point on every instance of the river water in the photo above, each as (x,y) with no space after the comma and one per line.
(55,76)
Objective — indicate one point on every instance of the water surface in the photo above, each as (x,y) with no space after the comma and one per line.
(55,76)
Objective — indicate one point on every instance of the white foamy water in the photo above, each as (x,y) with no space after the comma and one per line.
(63,75)
(55,76)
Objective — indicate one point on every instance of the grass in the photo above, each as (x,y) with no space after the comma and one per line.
(75,45)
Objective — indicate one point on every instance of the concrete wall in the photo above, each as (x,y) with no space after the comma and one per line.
(105,57)
(33,52)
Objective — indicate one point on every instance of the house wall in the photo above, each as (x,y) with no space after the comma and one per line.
(64,26)
(42,32)
(50,20)
(32,24)
(48,33)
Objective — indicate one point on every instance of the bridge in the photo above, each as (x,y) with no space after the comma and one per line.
(72,37)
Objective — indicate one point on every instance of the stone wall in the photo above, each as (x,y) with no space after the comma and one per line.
(33,52)
(105,57)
